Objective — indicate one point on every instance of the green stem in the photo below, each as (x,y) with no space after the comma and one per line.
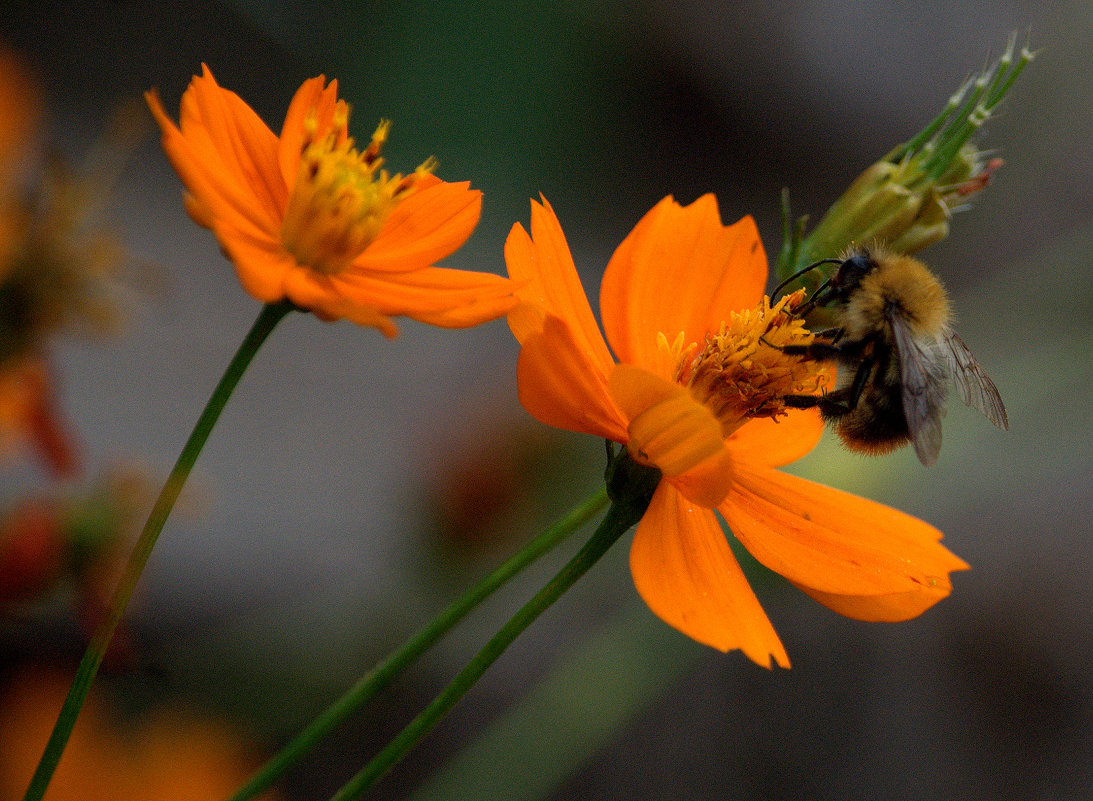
(619,518)
(270,315)
(378,678)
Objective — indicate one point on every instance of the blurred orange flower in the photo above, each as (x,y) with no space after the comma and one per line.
(165,754)
(20,109)
(695,393)
(309,218)
(28,413)
(58,263)
(32,551)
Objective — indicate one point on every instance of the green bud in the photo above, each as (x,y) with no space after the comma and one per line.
(905,201)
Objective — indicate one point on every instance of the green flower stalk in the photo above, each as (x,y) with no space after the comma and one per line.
(268,318)
(630,486)
(906,199)
(376,679)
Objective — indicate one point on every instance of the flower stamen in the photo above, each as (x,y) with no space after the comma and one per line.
(342,197)
(742,372)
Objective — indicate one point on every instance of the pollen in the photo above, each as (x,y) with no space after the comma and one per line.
(341,198)
(742,373)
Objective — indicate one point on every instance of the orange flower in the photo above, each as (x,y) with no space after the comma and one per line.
(309,218)
(696,393)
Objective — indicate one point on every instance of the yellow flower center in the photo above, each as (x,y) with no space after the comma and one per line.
(742,373)
(341,198)
(739,373)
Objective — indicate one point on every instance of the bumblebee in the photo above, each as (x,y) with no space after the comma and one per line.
(894,341)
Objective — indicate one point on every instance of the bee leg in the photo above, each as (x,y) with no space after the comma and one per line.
(828,348)
(831,404)
(837,403)
(831,334)
(818,351)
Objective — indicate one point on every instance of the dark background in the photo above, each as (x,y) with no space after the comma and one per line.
(325,528)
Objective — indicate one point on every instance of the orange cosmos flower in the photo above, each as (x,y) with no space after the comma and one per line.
(696,393)
(309,218)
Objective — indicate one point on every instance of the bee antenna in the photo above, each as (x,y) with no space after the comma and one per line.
(799,273)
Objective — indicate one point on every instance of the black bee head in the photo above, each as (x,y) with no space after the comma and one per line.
(850,274)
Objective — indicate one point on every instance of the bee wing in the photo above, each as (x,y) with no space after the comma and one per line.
(975,386)
(923,373)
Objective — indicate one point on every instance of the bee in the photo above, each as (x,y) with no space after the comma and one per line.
(893,336)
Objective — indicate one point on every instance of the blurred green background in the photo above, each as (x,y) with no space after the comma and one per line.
(355,485)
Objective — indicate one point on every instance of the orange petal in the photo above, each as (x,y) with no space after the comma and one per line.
(216,191)
(543,267)
(230,138)
(679,270)
(775,442)
(467,315)
(430,291)
(833,542)
(262,265)
(890,608)
(558,387)
(429,225)
(311,99)
(438,296)
(670,429)
(708,482)
(684,570)
(332,309)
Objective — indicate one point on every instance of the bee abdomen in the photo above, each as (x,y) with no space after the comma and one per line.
(877,424)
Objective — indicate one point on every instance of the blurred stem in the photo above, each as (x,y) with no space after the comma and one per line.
(378,678)
(620,517)
(270,315)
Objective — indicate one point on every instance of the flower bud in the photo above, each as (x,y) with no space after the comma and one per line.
(906,200)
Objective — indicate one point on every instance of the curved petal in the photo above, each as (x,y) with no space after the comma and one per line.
(261,264)
(438,296)
(671,430)
(333,308)
(472,313)
(708,482)
(543,267)
(890,608)
(311,98)
(557,385)
(427,226)
(320,295)
(774,442)
(833,542)
(684,570)
(679,270)
(220,125)
(431,290)
(215,191)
